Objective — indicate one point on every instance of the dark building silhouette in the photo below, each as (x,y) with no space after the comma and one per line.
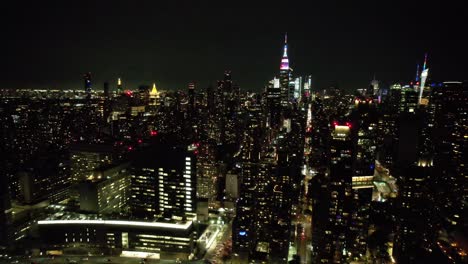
(87,85)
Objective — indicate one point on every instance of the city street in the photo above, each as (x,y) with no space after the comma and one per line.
(304,236)
(214,253)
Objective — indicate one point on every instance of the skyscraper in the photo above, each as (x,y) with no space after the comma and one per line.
(119,86)
(336,205)
(285,75)
(154,95)
(164,182)
(374,87)
(273,91)
(87,84)
(449,103)
(415,233)
(191,95)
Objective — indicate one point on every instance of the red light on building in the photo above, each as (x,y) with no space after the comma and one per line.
(348,124)
(196,152)
(140,141)
(335,123)
(130,148)
(153,132)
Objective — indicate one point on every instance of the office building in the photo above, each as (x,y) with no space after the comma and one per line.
(107,192)
(85,158)
(155,239)
(164,182)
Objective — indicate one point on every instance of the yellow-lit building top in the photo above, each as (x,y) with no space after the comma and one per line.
(154,91)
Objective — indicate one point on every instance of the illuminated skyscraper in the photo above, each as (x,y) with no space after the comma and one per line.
(374,85)
(285,74)
(154,95)
(227,106)
(408,100)
(252,233)
(119,86)
(450,129)
(298,84)
(274,102)
(207,171)
(191,94)
(164,182)
(415,229)
(364,123)
(340,192)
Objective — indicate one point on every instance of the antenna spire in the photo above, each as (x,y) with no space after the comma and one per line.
(285,60)
(425,62)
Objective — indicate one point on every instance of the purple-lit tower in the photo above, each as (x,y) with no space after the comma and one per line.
(285,74)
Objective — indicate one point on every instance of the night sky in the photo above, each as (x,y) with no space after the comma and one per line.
(51,45)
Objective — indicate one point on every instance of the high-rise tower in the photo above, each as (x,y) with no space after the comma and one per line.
(285,73)
(87,84)
(191,94)
(119,86)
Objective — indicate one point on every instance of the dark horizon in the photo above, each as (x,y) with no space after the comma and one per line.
(51,46)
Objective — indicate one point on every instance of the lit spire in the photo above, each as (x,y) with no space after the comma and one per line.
(425,62)
(285,60)
(119,82)
(424,74)
(154,91)
(285,53)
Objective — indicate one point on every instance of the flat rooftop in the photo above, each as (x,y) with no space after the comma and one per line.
(66,218)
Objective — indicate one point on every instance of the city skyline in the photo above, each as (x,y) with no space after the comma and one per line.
(201,133)
(173,45)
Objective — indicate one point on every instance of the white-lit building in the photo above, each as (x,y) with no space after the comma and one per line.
(166,240)
(163,183)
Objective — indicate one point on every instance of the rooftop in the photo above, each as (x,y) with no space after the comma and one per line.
(94,219)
